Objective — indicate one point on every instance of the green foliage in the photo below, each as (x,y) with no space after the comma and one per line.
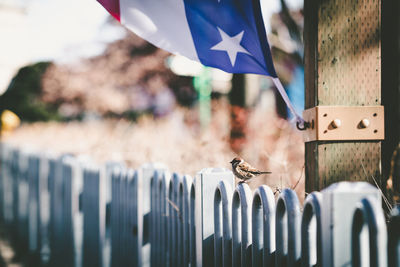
(23,95)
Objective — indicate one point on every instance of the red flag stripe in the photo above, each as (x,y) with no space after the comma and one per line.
(112,6)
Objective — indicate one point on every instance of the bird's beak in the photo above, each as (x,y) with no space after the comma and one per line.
(231,161)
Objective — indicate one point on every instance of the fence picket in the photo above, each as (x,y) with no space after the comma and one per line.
(241,226)
(134,228)
(94,219)
(53,164)
(287,229)
(155,245)
(33,208)
(146,195)
(339,202)
(114,221)
(223,225)
(206,181)
(7,192)
(110,167)
(123,218)
(184,200)
(394,238)
(164,225)
(192,226)
(369,237)
(311,237)
(263,227)
(44,209)
(19,216)
(4,174)
(172,220)
(63,212)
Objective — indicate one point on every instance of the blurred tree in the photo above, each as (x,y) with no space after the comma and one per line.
(294,29)
(287,50)
(23,95)
(239,113)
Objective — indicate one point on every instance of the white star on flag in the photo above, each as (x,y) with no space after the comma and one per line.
(231,45)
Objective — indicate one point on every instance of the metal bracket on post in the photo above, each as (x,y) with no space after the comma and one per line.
(334,123)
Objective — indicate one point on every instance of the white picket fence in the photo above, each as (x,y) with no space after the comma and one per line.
(65,211)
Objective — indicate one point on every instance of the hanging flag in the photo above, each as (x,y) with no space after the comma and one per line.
(225,34)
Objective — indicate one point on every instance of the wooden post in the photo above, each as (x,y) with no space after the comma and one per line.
(391,91)
(342,68)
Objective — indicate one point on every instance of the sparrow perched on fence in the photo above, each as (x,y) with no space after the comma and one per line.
(244,171)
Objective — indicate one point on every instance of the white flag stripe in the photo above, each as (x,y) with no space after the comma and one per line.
(163,23)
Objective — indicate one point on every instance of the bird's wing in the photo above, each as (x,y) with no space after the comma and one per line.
(248,168)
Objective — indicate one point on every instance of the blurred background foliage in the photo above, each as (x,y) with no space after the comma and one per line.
(135,103)
(23,95)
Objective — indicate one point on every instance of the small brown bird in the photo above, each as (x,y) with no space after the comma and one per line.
(244,171)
